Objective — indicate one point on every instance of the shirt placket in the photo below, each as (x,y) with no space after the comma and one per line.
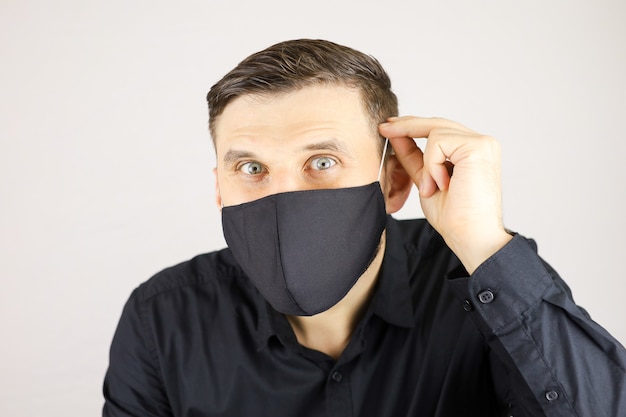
(338,395)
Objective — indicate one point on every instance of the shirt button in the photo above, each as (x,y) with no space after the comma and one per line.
(467,306)
(486,297)
(552,395)
(337,376)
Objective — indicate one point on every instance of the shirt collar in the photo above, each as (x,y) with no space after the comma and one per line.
(267,324)
(392,301)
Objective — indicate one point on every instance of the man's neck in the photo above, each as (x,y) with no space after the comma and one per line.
(330,331)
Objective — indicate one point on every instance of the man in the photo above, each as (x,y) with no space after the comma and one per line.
(323,304)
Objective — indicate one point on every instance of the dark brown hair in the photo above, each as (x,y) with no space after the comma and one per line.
(291,65)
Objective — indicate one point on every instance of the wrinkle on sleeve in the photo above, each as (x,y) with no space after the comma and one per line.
(133,385)
(556,357)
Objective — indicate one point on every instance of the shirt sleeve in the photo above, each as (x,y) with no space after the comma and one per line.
(557,360)
(133,385)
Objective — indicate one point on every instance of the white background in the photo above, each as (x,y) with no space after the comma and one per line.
(105,159)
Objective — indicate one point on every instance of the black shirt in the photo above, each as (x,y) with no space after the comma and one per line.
(199,340)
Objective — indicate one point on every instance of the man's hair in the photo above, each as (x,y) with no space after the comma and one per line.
(292,65)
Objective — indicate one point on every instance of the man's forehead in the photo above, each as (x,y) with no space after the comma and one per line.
(310,100)
(322,117)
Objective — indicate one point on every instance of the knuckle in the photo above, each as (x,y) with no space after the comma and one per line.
(490,147)
(438,120)
(489,142)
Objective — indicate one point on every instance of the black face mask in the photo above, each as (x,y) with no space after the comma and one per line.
(304,250)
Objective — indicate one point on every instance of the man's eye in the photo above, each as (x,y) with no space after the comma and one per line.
(322,163)
(251,168)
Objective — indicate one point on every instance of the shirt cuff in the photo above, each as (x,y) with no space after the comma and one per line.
(506,285)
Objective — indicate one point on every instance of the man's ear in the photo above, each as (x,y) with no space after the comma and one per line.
(398,184)
(218,196)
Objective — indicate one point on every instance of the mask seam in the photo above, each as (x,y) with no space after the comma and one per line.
(281,263)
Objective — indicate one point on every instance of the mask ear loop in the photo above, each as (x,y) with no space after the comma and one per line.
(382,161)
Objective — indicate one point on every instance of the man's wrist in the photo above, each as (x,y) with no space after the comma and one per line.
(475,250)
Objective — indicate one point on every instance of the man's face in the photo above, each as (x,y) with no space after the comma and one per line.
(313,138)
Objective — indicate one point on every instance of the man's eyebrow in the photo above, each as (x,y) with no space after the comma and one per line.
(328,145)
(233,155)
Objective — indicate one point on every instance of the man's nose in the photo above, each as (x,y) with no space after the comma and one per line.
(287,182)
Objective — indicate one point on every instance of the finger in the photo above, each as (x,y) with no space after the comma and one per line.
(411,158)
(436,168)
(438,154)
(444,149)
(455,147)
(427,186)
(409,154)
(418,127)
(441,175)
